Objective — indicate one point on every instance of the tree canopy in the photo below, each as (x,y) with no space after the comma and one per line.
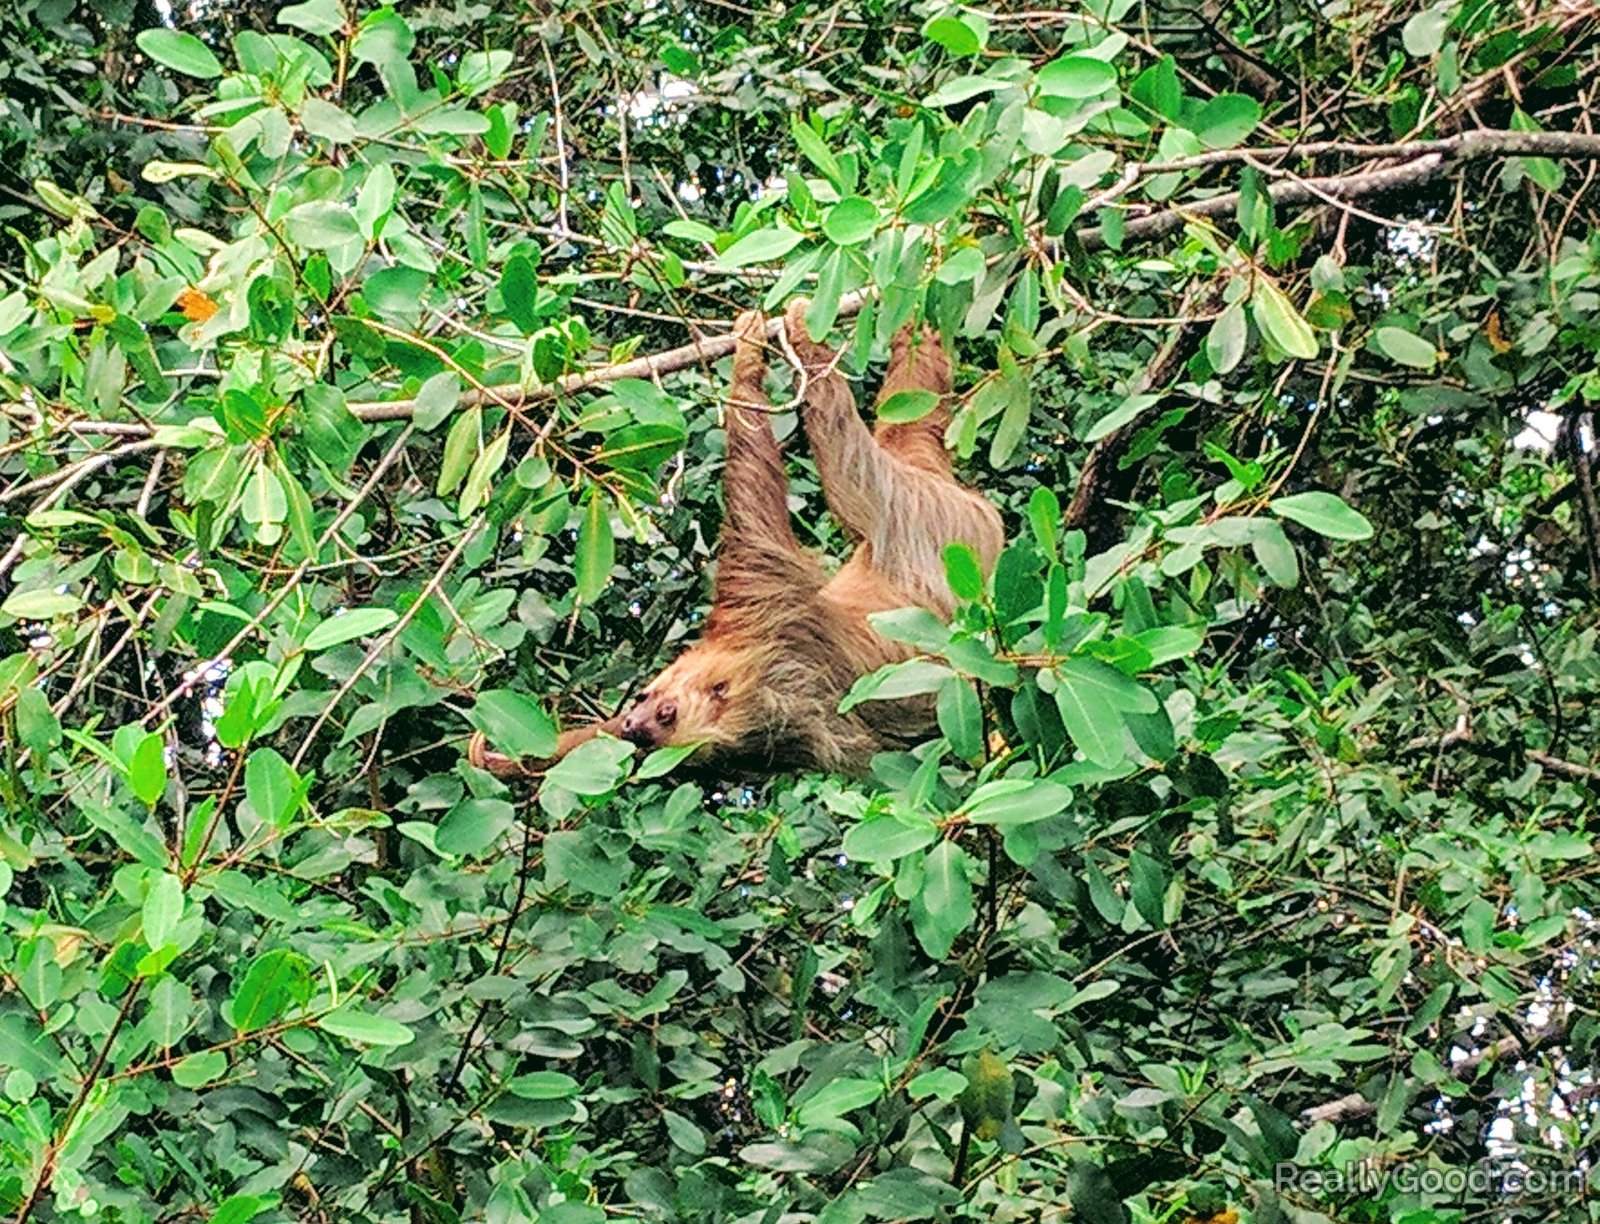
(359,387)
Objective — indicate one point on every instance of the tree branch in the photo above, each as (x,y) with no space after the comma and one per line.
(1426,160)
(1354,1105)
(1100,481)
(653,365)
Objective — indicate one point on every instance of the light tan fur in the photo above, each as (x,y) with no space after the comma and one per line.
(784,642)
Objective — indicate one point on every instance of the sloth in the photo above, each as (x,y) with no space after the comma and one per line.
(785,640)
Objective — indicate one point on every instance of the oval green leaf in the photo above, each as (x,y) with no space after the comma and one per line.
(597,550)
(345,625)
(760,247)
(365,1028)
(852,220)
(180,52)
(1075,76)
(1226,120)
(1405,348)
(1324,514)
(1280,322)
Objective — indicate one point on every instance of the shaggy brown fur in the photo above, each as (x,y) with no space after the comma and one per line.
(784,642)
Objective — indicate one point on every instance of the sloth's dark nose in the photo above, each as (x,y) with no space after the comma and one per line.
(667,714)
(632,730)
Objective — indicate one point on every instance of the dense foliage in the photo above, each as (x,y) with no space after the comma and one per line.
(1252,877)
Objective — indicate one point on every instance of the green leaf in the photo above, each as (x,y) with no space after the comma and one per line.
(473,826)
(326,121)
(1075,76)
(1275,555)
(585,861)
(15,308)
(690,231)
(1090,696)
(273,788)
(475,489)
(962,571)
(1008,802)
(1405,348)
(460,449)
(905,406)
(375,200)
(325,17)
(163,907)
(987,1102)
(40,604)
(396,293)
(893,681)
(597,550)
(519,293)
(961,34)
(239,1208)
(1017,395)
(963,266)
(1168,642)
(961,89)
(37,725)
(663,761)
(180,52)
(1147,887)
(364,1027)
(961,717)
(816,152)
(1323,513)
(273,982)
(940,1082)
(346,624)
(824,308)
(197,1070)
(762,246)
(1280,322)
(1044,518)
(436,399)
(481,70)
(543,1086)
(684,1134)
(853,219)
(836,1099)
(147,770)
(514,723)
(595,768)
(1225,341)
(1226,120)
(914,626)
(1423,34)
(1123,414)
(1159,88)
(943,908)
(322,225)
(882,839)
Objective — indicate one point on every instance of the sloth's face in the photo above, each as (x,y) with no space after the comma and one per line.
(696,700)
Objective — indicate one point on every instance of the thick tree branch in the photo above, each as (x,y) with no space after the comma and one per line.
(1354,1105)
(1100,481)
(653,365)
(1425,160)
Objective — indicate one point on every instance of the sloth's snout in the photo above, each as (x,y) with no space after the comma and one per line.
(648,722)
